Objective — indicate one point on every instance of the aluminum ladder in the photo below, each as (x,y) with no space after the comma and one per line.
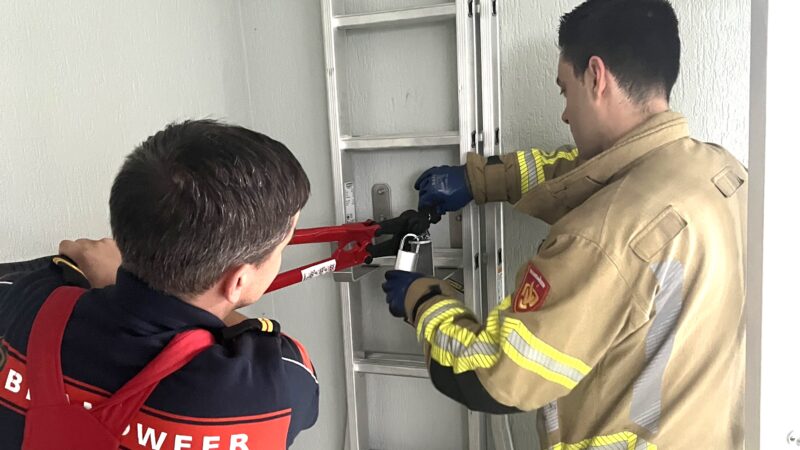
(471,251)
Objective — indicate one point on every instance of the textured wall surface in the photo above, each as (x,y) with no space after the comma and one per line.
(86,81)
(712,91)
(286,71)
(394,88)
(400,79)
(81,84)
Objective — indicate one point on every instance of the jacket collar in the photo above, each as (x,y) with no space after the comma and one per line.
(551,200)
(158,308)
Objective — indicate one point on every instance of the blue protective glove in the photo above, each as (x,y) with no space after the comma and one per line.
(444,188)
(396,287)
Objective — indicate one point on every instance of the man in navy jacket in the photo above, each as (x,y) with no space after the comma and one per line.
(200,214)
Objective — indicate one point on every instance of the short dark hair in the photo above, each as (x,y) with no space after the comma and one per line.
(200,197)
(637,39)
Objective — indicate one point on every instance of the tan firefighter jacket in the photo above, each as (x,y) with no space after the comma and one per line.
(626,329)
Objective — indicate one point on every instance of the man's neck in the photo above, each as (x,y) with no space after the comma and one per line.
(209,301)
(629,119)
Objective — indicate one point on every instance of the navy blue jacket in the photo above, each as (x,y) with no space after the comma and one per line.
(254,390)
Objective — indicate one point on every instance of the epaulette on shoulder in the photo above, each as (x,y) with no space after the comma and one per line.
(72,275)
(261,325)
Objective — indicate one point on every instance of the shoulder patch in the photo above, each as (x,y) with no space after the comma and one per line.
(72,274)
(532,292)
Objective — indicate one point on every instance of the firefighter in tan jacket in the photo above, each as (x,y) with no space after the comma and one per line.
(626,328)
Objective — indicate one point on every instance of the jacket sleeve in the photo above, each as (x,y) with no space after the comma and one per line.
(570,305)
(11,271)
(510,176)
(303,385)
(19,280)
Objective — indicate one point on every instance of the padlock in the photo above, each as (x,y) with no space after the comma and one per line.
(407,260)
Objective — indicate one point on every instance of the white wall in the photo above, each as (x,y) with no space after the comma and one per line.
(81,83)
(773,392)
(712,91)
(286,71)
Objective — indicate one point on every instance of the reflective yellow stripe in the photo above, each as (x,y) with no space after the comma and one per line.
(523,173)
(543,160)
(452,345)
(537,157)
(608,442)
(473,351)
(532,163)
(538,369)
(549,160)
(435,315)
(543,347)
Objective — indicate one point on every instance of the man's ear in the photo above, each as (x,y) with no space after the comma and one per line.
(597,76)
(233,282)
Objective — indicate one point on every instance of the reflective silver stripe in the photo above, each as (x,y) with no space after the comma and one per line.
(641,444)
(622,445)
(481,349)
(613,446)
(550,412)
(459,350)
(540,358)
(447,343)
(646,401)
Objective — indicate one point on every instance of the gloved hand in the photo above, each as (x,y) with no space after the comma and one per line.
(444,188)
(396,287)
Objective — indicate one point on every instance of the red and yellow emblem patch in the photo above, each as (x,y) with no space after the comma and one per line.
(532,292)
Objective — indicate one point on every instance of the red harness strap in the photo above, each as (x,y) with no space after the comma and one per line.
(51,422)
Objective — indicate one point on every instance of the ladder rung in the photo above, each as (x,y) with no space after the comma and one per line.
(353,274)
(400,141)
(442,258)
(409,15)
(392,364)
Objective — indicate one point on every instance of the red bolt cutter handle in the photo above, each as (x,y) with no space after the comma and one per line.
(355,245)
(352,239)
